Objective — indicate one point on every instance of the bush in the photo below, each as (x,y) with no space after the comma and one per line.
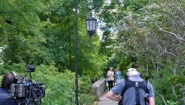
(60,88)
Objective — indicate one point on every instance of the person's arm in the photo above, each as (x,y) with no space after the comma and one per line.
(108,74)
(151,94)
(151,101)
(112,96)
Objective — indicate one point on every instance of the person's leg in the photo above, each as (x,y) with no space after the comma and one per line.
(109,85)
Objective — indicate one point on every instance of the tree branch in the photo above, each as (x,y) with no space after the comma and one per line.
(161,97)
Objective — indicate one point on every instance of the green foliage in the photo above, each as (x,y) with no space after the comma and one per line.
(60,88)
(18,67)
(2,70)
(20,30)
(125,63)
(85,91)
(169,102)
(168,82)
(43,32)
(86,99)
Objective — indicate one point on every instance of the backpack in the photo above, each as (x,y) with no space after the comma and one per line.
(137,85)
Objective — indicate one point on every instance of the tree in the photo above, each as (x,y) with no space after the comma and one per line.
(43,33)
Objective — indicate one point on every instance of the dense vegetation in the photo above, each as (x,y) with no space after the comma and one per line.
(150,34)
(146,33)
(42,33)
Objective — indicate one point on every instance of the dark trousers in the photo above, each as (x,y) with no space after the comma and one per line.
(110,84)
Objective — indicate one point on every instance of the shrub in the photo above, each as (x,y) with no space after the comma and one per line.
(60,88)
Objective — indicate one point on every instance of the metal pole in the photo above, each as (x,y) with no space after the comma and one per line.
(76,53)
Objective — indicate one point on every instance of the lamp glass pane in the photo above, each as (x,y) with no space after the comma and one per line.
(87,26)
(91,24)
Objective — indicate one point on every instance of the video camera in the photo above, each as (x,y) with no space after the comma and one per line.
(26,91)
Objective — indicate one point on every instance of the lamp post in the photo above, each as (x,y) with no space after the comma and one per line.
(91,27)
(76,53)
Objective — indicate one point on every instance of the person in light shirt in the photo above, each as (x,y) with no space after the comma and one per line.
(110,77)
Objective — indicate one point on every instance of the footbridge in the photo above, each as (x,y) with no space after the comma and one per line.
(100,91)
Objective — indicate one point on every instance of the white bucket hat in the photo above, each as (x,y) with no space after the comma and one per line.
(132,71)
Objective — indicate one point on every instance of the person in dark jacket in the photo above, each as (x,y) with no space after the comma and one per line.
(5,97)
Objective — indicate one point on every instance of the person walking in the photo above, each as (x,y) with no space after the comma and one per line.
(133,90)
(110,77)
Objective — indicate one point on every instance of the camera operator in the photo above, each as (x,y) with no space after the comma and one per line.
(5,97)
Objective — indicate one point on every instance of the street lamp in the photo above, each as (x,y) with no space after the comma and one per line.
(91,27)
(91,24)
